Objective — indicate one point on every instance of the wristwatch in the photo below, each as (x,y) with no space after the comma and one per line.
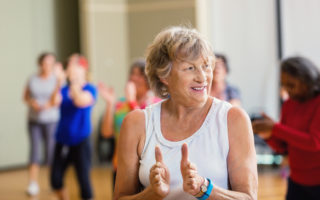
(205,190)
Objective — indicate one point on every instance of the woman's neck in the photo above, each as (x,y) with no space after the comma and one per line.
(181,112)
(44,75)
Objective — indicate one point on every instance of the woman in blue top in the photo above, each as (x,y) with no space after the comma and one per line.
(74,128)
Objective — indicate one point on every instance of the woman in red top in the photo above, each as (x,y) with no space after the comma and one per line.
(298,132)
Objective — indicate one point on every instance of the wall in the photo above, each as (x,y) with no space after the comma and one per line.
(27,29)
(301,29)
(246,32)
(66,27)
(147,18)
(23,38)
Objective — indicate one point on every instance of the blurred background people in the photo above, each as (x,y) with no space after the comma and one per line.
(298,132)
(137,96)
(220,88)
(74,128)
(59,72)
(284,166)
(43,115)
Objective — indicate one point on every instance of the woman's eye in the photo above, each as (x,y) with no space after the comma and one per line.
(190,68)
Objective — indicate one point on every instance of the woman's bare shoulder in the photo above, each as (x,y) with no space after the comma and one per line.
(133,127)
(134,120)
(238,121)
(237,114)
(132,134)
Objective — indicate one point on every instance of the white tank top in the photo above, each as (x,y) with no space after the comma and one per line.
(208,148)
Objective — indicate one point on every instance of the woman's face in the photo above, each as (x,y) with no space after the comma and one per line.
(76,73)
(47,63)
(220,72)
(189,82)
(138,78)
(296,88)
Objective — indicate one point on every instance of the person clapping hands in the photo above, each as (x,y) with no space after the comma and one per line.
(220,148)
(192,181)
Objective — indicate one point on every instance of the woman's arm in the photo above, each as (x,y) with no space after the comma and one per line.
(109,97)
(107,121)
(81,98)
(308,140)
(55,99)
(30,101)
(131,142)
(242,165)
(26,96)
(263,128)
(277,145)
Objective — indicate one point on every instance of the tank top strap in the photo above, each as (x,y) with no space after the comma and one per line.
(150,113)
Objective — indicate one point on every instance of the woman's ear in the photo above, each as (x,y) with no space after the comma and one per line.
(164,81)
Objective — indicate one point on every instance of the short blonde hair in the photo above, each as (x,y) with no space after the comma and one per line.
(171,44)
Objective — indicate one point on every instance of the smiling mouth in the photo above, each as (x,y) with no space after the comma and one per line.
(199,88)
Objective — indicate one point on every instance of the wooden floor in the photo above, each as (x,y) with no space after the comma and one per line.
(13,185)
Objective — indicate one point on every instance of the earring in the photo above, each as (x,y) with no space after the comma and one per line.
(164,91)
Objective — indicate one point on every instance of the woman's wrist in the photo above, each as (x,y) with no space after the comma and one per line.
(203,181)
(47,105)
(30,101)
(110,101)
(152,194)
(205,190)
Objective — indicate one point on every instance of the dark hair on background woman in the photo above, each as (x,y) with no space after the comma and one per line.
(43,55)
(139,63)
(304,70)
(224,60)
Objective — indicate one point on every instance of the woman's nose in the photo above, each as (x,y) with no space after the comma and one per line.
(201,76)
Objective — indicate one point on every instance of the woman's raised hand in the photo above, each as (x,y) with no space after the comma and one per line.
(159,175)
(191,179)
(107,93)
(263,127)
(131,91)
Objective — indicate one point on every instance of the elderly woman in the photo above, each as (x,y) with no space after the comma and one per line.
(190,146)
